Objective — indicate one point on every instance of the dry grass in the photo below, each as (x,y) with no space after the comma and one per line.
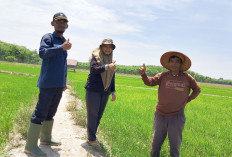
(215,85)
(77,109)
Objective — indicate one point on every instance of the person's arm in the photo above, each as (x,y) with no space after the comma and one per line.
(66,72)
(96,68)
(149,81)
(47,48)
(195,88)
(152,81)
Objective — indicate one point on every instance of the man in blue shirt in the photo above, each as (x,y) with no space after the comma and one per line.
(52,83)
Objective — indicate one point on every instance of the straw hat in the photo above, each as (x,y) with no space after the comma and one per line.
(186,62)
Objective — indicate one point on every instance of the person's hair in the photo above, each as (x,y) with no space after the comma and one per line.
(175,57)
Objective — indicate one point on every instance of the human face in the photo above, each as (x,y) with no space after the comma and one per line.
(175,64)
(60,25)
(107,49)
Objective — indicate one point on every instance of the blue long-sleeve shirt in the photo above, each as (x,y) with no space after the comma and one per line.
(53,72)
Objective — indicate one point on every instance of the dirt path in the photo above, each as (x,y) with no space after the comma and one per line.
(73,137)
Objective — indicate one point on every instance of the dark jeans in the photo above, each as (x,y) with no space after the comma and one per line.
(95,103)
(49,99)
(171,125)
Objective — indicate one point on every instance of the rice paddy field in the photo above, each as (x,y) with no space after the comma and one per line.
(127,123)
(17,92)
(19,67)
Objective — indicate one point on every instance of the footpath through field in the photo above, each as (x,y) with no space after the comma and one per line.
(73,137)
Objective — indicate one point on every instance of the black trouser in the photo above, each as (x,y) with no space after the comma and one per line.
(95,103)
(49,99)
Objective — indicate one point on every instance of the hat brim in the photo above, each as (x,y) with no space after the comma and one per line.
(60,18)
(108,44)
(186,62)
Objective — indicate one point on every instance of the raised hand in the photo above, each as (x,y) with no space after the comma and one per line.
(112,66)
(142,69)
(66,45)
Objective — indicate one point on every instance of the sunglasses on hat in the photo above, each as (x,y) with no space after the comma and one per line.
(61,22)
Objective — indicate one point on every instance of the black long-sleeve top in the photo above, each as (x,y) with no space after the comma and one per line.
(94,81)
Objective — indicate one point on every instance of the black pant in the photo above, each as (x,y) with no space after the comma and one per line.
(49,99)
(95,103)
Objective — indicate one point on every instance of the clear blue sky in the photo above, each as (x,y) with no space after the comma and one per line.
(142,30)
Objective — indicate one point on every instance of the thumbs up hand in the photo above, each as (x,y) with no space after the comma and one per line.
(112,66)
(142,69)
(66,45)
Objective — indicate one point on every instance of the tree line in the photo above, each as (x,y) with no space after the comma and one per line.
(153,70)
(15,53)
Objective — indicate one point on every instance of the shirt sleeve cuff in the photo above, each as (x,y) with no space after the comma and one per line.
(113,93)
(106,66)
(59,48)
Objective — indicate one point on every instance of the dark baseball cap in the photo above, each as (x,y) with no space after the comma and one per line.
(60,16)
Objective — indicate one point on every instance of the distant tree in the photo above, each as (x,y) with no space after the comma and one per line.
(15,53)
(153,70)
(11,58)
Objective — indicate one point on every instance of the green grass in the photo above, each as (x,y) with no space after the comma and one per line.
(17,92)
(127,123)
(213,90)
(77,81)
(20,67)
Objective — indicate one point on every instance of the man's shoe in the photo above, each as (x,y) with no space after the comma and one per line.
(95,144)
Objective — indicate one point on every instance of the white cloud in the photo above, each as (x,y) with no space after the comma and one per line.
(141,30)
(145,15)
(170,5)
(166,5)
(91,17)
(126,53)
(24,22)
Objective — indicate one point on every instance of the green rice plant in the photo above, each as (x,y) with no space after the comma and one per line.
(20,67)
(78,83)
(216,90)
(17,93)
(22,121)
(127,123)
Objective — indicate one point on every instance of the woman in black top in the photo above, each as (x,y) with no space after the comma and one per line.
(100,84)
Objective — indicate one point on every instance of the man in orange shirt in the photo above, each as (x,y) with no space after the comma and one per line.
(173,95)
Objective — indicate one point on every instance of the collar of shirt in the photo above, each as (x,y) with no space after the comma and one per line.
(57,36)
(180,74)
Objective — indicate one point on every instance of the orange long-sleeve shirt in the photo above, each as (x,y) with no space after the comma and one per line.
(173,92)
